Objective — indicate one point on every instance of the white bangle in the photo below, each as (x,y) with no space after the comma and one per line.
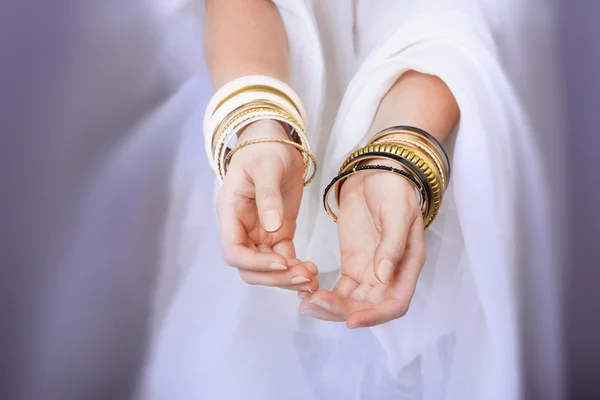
(249,82)
(244,90)
(238,101)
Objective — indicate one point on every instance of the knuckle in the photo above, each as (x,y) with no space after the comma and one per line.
(396,248)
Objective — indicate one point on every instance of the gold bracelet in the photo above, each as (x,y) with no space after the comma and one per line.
(418,145)
(342,176)
(243,118)
(419,185)
(418,164)
(422,137)
(263,105)
(303,151)
(259,88)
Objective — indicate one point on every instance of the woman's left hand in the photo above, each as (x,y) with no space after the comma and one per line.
(383,251)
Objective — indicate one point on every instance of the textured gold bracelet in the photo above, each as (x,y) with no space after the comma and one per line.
(342,176)
(300,148)
(419,184)
(243,118)
(418,145)
(431,180)
(421,136)
(259,88)
(263,105)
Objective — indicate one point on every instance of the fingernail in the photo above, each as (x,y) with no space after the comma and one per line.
(299,279)
(355,325)
(308,289)
(386,271)
(271,220)
(309,312)
(321,303)
(277,267)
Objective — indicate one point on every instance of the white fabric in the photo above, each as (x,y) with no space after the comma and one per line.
(223,339)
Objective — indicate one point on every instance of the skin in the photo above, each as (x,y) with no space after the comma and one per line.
(380,225)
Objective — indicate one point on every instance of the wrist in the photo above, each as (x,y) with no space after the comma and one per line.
(264,128)
(402,182)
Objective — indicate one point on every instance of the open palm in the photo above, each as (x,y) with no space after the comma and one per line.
(381,241)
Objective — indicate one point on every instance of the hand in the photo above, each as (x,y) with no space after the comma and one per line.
(382,246)
(257,210)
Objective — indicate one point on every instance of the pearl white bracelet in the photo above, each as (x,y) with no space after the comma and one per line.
(237,92)
(244,101)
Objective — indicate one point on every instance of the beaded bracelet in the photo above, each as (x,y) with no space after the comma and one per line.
(338,180)
(423,137)
(415,164)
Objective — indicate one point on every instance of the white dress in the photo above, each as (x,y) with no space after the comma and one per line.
(217,338)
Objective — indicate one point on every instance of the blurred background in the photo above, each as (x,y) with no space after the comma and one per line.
(88,158)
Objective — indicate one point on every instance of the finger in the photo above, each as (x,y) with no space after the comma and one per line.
(296,277)
(331,306)
(395,225)
(267,184)
(345,286)
(285,248)
(248,259)
(310,287)
(234,237)
(379,314)
(405,282)
(403,286)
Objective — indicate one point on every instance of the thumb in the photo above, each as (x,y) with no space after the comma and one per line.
(269,202)
(395,225)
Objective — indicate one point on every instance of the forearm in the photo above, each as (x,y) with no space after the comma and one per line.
(419,100)
(245,37)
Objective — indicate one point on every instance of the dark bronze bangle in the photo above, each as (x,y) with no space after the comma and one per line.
(423,186)
(345,174)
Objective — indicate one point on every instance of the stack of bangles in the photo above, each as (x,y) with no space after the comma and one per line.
(419,157)
(244,101)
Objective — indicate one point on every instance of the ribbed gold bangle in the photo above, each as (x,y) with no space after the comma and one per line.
(413,133)
(431,179)
(304,151)
(420,145)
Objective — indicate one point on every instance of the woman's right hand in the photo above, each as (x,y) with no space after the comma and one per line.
(257,210)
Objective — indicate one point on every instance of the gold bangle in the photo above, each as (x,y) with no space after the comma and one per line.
(419,185)
(419,135)
(402,152)
(303,151)
(254,105)
(258,88)
(342,176)
(419,146)
(241,118)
